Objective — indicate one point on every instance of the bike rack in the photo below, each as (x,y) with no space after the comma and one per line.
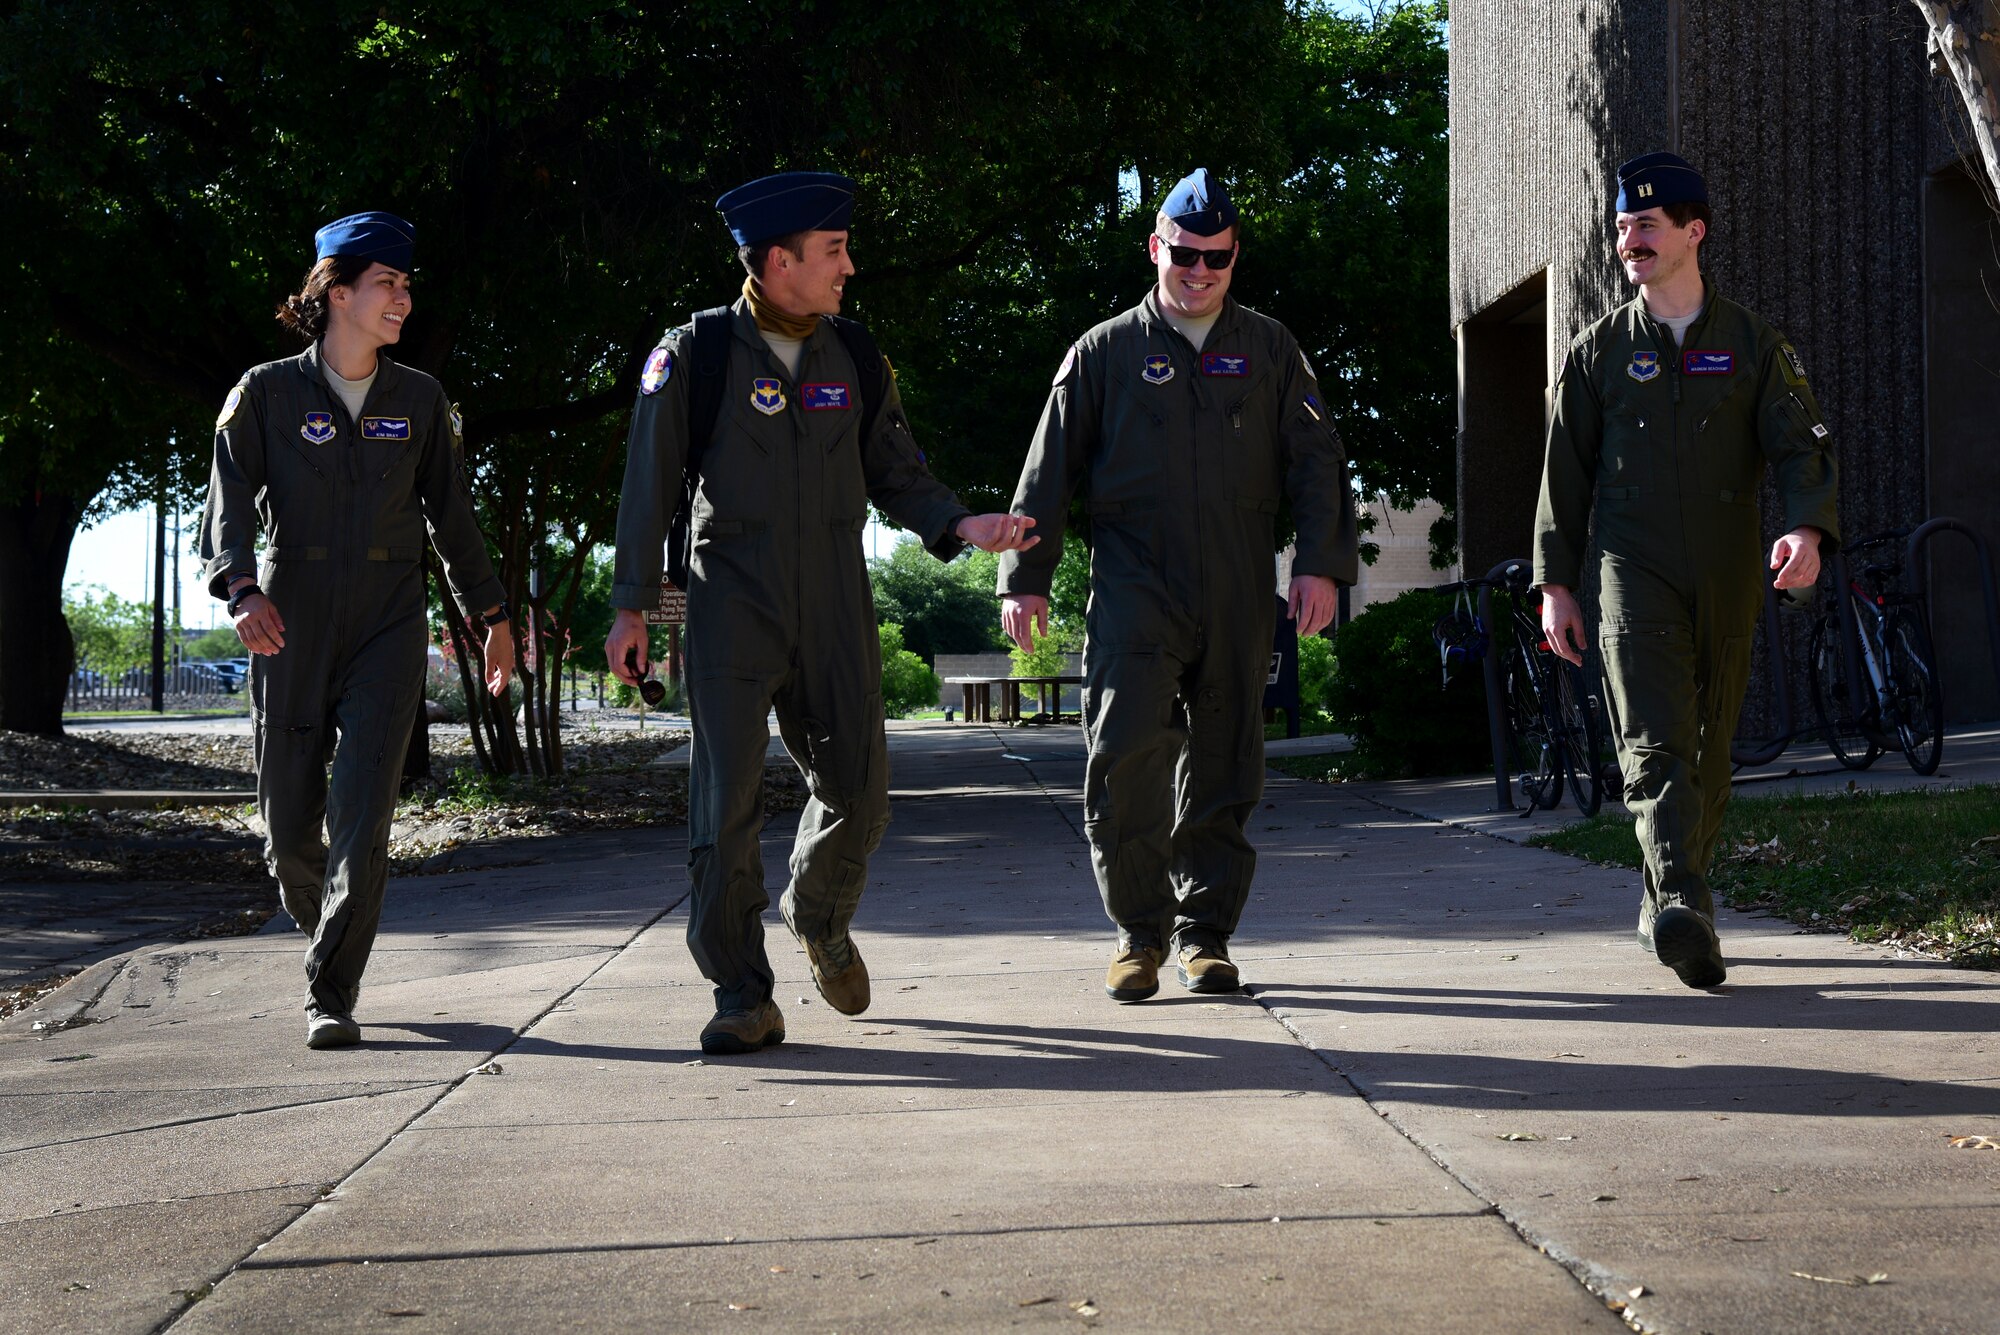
(1496,722)
(1920,582)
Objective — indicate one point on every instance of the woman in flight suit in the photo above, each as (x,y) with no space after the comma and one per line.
(342,458)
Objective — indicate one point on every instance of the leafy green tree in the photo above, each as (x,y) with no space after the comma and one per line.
(219,643)
(942,607)
(908,684)
(111,634)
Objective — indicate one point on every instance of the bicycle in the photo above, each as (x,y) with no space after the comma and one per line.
(1900,704)
(1554,735)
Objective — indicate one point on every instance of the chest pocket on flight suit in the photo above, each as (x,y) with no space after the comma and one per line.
(1725,442)
(1252,465)
(843,485)
(1624,456)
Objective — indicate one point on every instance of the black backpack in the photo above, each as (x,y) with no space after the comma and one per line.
(710,355)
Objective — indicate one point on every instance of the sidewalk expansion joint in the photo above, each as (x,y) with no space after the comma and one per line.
(445,1088)
(1594,1279)
(903,1235)
(404,1088)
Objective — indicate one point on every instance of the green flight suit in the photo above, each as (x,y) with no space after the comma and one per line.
(343,506)
(1183,456)
(780,616)
(1674,442)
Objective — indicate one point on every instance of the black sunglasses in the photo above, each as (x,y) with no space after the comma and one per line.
(651,690)
(1186,257)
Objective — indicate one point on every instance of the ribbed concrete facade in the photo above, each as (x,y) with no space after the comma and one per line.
(1822,134)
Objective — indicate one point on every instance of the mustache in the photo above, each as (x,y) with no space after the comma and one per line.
(1638,253)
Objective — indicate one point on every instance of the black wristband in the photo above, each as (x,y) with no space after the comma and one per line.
(236,598)
(491,619)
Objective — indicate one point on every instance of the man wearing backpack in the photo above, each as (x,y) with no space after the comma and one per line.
(783,422)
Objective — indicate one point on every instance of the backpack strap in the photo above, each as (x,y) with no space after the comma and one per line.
(709,338)
(869,364)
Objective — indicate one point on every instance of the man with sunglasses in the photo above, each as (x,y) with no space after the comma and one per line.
(1667,413)
(1184,423)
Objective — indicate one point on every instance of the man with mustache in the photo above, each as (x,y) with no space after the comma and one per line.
(807,431)
(1669,410)
(1184,422)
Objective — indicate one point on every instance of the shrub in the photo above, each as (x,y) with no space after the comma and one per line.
(1384,692)
(219,643)
(907,681)
(1049,656)
(1315,672)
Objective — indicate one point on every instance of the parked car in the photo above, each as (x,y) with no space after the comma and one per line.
(234,672)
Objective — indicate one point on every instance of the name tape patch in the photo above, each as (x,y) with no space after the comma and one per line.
(1696,362)
(385,428)
(1224,363)
(819,398)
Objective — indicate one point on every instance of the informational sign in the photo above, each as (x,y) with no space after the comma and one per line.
(673,608)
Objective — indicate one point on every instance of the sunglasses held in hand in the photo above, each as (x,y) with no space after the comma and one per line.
(651,690)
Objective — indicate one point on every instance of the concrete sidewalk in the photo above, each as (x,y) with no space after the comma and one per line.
(1455,1098)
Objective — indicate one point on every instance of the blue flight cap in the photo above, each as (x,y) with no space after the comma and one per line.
(1656,180)
(1199,204)
(372,236)
(773,206)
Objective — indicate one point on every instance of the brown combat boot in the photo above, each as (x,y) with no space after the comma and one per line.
(845,987)
(738,1030)
(1208,969)
(1134,975)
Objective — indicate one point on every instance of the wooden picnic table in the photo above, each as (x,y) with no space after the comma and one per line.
(977,695)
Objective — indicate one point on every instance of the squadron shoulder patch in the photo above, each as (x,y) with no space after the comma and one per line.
(1791,364)
(317,428)
(229,407)
(457,421)
(1645,366)
(767,395)
(385,428)
(1069,360)
(1157,369)
(659,370)
(1307,363)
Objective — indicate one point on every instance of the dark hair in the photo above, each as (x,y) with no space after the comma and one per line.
(755,257)
(1687,211)
(305,311)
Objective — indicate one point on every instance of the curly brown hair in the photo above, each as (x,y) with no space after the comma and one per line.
(305,311)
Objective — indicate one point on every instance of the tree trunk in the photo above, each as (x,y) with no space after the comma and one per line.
(1965,47)
(36,651)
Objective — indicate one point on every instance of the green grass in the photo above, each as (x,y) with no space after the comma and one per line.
(95,715)
(1312,723)
(1327,767)
(1920,868)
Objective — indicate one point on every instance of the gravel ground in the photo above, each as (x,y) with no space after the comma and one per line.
(205,864)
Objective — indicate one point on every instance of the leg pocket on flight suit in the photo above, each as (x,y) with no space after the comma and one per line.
(843,759)
(286,740)
(1633,657)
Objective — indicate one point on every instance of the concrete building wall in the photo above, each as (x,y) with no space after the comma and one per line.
(1819,129)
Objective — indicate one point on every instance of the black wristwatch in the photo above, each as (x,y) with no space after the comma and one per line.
(236,598)
(491,619)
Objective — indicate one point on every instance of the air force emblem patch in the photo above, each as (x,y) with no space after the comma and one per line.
(767,396)
(1069,360)
(318,428)
(1157,369)
(1225,363)
(819,398)
(1694,362)
(457,421)
(385,428)
(229,407)
(1645,365)
(659,369)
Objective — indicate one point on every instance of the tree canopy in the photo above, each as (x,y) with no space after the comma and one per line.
(167,166)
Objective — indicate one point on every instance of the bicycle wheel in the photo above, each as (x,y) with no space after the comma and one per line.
(1581,740)
(1535,760)
(1851,746)
(1919,704)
